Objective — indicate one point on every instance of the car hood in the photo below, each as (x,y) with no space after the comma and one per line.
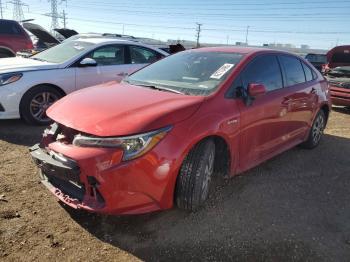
(121,109)
(66,33)
(340,71)
(20,64)
(41,33)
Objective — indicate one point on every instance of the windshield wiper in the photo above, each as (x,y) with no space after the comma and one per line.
(161,88)
(38,59)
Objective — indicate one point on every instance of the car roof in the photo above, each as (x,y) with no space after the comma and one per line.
(101,40)
(244,50)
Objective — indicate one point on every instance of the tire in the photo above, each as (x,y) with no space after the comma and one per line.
(316,131)
(193,182)
(35,102)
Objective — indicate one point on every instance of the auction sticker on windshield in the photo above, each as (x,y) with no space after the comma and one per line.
(221,71)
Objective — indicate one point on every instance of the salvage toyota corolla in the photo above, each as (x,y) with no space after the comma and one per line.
(159,137)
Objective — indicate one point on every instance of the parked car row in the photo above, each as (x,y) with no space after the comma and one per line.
(337,72)
(30,85)
(335,66)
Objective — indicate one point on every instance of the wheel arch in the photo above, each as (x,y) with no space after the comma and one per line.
(326,110)
(60,90)
(222,165)
(8,50)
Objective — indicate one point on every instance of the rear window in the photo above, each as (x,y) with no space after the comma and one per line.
(9,28)
(293,70)
(308,72)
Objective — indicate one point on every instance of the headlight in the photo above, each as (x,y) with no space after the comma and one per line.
(9,78)
(133,146)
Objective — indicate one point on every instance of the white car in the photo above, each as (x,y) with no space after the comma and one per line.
(28,86)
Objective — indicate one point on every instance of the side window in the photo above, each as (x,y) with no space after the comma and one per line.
(264,70)
(308,72)
(9,28)
(141,55)
(293,70)
(108,55)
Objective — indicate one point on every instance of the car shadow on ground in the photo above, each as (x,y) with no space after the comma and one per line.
(294,207)
(344,110)
(19,133)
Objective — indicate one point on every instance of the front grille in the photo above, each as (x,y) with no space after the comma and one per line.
(68,188)
(66,134)
(60,133)
(340,84)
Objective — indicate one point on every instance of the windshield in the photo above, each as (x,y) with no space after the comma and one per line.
(62,52)
(316,58)
(189,72)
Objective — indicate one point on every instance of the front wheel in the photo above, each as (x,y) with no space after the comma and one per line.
(192,185)
(35,103)
(316,131)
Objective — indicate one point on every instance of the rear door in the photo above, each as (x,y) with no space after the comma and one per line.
(264,123)
(111,66)
(302,97)
(141,56)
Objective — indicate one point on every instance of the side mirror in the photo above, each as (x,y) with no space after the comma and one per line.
(255,90)
(87,62)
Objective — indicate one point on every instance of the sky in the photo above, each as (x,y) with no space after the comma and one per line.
(318,23)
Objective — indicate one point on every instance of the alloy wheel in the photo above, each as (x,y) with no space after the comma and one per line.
(317,129)
(208,171)
(40,103)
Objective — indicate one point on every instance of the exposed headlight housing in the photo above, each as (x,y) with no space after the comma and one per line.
(9,78)
(133,146)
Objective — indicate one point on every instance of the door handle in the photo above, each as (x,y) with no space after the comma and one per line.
(313,91)
(122,74)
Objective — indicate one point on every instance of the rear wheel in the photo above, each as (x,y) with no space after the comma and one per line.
(193,182)
(316,131)
(35,103)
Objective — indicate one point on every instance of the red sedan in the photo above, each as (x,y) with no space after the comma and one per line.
(157,138)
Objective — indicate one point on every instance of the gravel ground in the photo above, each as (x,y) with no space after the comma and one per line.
(294,207)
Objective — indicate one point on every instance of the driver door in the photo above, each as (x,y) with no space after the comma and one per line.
(264,122)
(111,66)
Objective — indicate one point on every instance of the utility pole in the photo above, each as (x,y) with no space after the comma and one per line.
(198,30)
(246,35)
(2,16)
(17,9)
(64,17)
(54,14)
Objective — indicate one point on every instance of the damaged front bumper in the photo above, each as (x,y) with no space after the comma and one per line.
(97,180)
(61,176)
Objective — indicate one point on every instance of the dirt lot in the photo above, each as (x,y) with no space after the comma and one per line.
(295,207)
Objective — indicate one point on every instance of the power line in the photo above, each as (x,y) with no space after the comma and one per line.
(198,30)
(2,16)
(221,15)
(54,14)
(17,9)
(64,18)
(148,6)
(217,29)
(246,35)
(168,4)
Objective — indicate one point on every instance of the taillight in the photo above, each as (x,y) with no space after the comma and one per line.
(29,45)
